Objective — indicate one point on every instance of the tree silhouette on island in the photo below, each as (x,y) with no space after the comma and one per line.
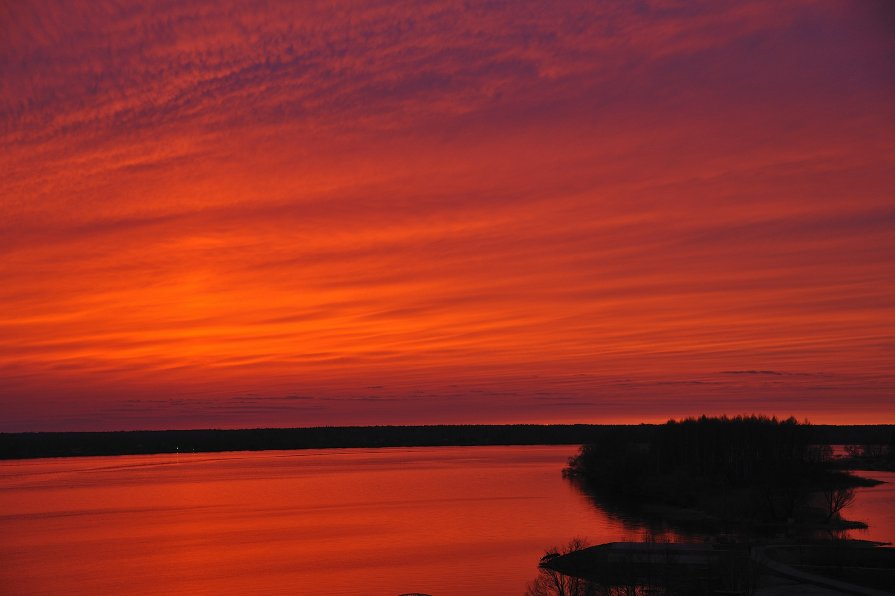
(748,492)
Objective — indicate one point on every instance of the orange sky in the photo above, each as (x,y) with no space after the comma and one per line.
(231,214)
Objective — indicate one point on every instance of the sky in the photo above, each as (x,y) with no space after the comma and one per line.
(227,213)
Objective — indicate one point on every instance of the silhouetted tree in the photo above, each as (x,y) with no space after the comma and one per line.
(553,583)
(837,498)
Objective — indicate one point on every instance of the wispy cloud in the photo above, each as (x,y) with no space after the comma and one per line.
(206,198)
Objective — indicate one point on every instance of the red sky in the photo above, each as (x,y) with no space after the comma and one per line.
(232,214)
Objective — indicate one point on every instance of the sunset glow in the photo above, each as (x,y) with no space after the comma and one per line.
(240,214)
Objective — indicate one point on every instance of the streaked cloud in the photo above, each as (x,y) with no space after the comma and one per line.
(209,200)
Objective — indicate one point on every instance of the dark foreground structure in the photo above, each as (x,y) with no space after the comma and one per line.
(632,568)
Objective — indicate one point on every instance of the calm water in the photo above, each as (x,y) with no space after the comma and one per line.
(451,520)
(876,507)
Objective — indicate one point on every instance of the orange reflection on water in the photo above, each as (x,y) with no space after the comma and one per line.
(436,520)
(876,507)
(471,520)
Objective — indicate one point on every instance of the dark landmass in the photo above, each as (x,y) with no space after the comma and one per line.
(67,444)
(842,561)
(712,568)
(736,473)
(762,500)
(643,568)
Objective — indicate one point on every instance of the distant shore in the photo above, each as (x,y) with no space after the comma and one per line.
(73,444)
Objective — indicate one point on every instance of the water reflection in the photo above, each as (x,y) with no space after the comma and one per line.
(648,522)
(470,520)
(874,506)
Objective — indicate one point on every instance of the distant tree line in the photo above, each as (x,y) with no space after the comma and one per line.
(56,444)
(64,444)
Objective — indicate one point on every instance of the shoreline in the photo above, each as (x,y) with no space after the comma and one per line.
(17,446)
(31,445)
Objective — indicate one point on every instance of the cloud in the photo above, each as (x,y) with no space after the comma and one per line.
(206,198)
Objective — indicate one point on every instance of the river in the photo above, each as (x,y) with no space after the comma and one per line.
(449,520)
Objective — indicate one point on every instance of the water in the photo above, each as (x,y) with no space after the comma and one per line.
(450,520)
(876,507)
(471,520)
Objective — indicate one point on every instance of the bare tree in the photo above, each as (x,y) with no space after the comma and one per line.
(836,499)
(550,582)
